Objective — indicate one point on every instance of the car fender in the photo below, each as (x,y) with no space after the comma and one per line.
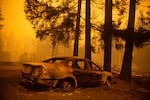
(105,75)
(65,77)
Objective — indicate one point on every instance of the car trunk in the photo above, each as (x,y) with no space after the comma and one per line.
(30,71)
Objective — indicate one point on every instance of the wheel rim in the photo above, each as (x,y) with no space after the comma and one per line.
(66,86)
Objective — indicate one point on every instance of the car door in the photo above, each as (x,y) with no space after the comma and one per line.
(82,73)
(94,73)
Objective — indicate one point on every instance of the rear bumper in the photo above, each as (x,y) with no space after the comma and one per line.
(37,81)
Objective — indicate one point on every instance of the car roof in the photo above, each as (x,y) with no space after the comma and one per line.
(70,57)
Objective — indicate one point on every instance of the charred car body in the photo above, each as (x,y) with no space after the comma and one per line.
(64,73)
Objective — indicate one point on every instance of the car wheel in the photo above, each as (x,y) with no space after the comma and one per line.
(66,86)
(108,81)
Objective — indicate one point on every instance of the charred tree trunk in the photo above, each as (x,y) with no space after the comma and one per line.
(75,51)
(108,35)
(88,32)
(127,59)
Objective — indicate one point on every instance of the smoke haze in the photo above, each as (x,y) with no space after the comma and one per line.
(18,42)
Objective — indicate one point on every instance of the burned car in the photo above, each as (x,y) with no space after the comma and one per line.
(65,73)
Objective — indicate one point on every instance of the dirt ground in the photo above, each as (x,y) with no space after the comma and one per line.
(10,89)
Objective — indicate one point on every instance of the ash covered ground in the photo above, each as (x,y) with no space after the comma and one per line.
(11,89)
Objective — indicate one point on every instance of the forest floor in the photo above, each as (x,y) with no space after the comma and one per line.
(10,89)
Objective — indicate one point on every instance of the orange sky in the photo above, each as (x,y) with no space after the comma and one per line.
(18,37)
(17,32)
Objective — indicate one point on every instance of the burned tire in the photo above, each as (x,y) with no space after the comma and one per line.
(108,81)
(66,85)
